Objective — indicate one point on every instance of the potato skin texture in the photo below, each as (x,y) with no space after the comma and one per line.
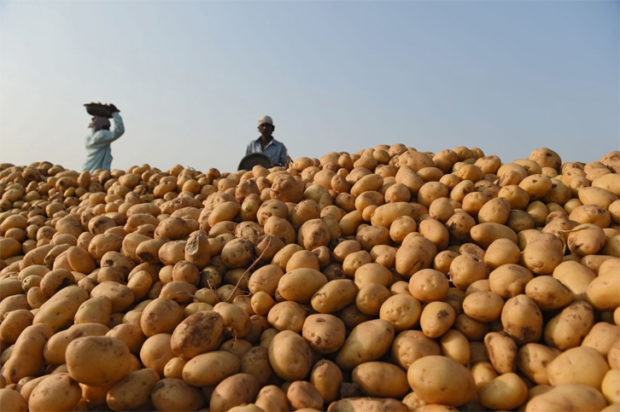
(27,356)
(133,391)
(438,379)
(198,333)
(98,360)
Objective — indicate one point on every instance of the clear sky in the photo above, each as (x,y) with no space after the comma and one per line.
(192,77)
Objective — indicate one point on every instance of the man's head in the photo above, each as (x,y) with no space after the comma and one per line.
(265,126)
(99,123)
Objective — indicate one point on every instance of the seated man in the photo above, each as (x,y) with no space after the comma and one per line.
(266,144)
(98,152)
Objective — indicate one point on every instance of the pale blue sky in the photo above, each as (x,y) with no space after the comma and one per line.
(192,77)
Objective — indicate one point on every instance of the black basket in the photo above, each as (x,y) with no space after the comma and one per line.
(254,159)
(99,109)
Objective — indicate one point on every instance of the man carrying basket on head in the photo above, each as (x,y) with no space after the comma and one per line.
(98,142)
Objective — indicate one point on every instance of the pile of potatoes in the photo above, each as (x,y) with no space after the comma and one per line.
(386,280)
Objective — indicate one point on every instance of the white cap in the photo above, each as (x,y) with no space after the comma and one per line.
(265,119)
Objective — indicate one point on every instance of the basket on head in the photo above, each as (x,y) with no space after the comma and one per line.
(99,109)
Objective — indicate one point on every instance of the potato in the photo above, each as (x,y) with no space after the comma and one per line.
(483,306)
(501,252)
(326,378)
(401,227)
(156,352)
(197,333)
(372,273)
(132,391)
(334,295)
(287,315)
(543,254)
(586,239)
(466,269)
(256,362)
(300,284)
(94,310)
(575,276)
(410,345)
(582,365)
(604,291)
(438,379)
(61,308)
(569,327)
(178,291)
(371,236)
(237,253)
(236,320)
(160,315)
(210,368)
(97,360)
(271,398)
(402,311)
(610,385)
(485,233)
(370,298)
(313,233)
(430,191)
(303,259)
(435,231)
(522,319)
(459,225)
(548,293)
(265,278)
(57,392)
(303,395)
(367,404)
(237,347)
(483,373)
(118,293)
(104,242)
(506,391)
(502,351)
(496,210)
(609,182)
(509,280)
(355,260)
(348,223)
(567,397)
(592,214)
(455,345)
(56,346)
(428,285)
(175,395)
(26,356)
(14,323)
(367,341)
(154,250)
(346,247)
(415,253)
(533,360)
(289,355)
(10,287)
(381,379)
(12,400)
(436,319)
(129,333)
(601,337)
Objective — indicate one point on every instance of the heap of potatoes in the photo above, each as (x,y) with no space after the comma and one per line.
(386,280)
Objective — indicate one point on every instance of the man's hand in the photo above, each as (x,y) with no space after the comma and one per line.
(113,108)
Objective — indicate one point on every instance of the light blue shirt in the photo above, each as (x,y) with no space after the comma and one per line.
(98,152)
(275,151)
